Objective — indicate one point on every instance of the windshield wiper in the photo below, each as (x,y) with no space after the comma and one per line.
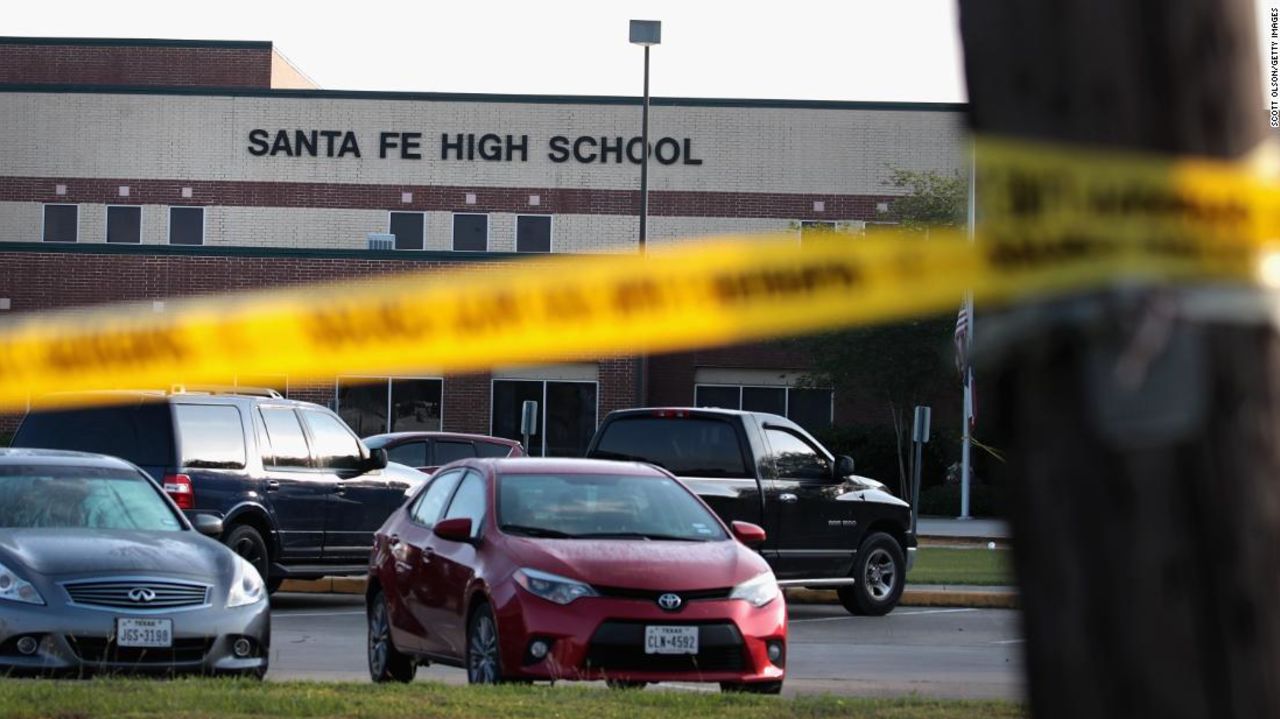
(639,535)
(537,531)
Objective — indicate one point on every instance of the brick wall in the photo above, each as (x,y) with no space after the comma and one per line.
(87,62)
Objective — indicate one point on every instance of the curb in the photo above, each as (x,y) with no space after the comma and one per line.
(917,596)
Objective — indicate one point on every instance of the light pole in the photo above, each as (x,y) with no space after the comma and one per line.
(645,33)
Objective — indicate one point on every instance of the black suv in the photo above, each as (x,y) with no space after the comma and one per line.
(298,493)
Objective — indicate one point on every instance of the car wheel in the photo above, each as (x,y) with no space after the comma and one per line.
(484,665)
(879,574)
(386,663)
(245,541)
(752,688)
(624,684)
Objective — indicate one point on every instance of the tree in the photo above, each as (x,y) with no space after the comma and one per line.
(902,364)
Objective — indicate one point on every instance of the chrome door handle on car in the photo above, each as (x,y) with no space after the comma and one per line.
(787,497)
(272,485)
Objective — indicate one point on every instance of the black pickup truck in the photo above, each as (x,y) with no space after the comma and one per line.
(826,526)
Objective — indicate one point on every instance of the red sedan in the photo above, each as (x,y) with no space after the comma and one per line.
(536,569)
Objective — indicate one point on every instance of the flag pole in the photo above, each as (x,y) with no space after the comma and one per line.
(967,422)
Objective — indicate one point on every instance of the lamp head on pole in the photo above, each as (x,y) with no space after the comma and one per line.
(646,32)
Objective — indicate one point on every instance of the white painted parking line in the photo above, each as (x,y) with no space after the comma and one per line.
(934,611)
(280,613)
(1009,641)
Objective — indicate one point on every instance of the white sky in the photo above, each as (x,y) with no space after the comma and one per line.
(800,49)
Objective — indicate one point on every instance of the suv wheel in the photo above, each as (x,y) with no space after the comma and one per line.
(879,574)
(386,663)
(245,541)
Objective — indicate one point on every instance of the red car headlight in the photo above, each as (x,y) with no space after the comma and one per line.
(552,587)
(757,591)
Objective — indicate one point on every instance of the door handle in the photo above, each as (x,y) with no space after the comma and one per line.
(340,490)
(427,554)
(273,485)
(788,498)
(393,540)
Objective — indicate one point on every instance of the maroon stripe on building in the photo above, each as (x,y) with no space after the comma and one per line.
(122,64)
(669,203)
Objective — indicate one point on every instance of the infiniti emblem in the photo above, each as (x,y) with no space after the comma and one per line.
(670,602)
(142,594)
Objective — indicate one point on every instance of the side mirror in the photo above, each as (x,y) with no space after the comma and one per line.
(748,533)
(457,529)
(844,467)
(377,459)
(208,525)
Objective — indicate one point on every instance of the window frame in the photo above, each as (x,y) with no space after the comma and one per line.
(306,439)
(831,412)
(551,233)
(184,461)
(423,214)
(204,225)
(44,222)
(337,407)
(818,450)
(453,230)
(476,526)
(417,502)
(313,441)
(542,406)
(106,224)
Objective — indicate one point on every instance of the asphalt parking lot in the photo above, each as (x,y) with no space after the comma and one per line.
(944,653)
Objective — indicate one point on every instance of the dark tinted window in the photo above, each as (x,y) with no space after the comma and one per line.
(765,399)
(492,449)
(334,445)
(533,233)
(570,418)
(186,225)
(124,224)
(82,497)
(141,433)
(210,436)
(810,408)
(470,233)
(288,445)
(450,450)
(408,227)
(508,396)
(413,454)
(794,457)
(60,223)
(415,405)
(362,404)
(688,446)
(469,502)
(720,397)
(427,509)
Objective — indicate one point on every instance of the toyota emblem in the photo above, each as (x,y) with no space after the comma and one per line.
(670,602)
(142,594)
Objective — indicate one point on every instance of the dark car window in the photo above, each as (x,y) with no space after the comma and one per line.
(210,436)
(427,509)
(795,458)
(493,449)
(469,502)
(335,445)
(288,445)
(141,432)
(687,446)
(573,505)
(449,450)
(413,454)
(39,496)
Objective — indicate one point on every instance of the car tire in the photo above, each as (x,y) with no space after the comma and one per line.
(245,541)
(751,688)
(484,651)
(879,575)
(386,663)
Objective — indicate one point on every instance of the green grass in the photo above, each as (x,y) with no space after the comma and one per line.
(948,565)
(216,698)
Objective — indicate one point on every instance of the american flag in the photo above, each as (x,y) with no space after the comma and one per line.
(961,340)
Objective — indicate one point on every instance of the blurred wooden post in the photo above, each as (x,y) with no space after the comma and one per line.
(1146,520)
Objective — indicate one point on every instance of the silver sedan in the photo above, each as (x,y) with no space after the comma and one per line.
(101,573)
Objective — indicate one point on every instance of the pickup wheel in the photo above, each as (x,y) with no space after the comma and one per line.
(879,575)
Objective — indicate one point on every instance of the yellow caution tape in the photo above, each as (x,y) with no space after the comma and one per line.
(1053,222)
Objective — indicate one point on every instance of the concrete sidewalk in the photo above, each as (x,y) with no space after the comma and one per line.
(964,529)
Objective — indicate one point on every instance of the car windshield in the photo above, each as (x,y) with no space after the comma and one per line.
(594,506)
(35,496)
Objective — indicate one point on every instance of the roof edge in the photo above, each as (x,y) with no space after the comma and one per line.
(136,42)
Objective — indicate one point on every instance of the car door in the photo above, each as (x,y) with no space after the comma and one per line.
(297,494)
(361,501)
(407,544)
(815,530)
(448,568)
